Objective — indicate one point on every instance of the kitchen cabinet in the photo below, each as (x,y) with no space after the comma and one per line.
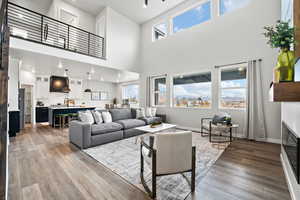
(41,114)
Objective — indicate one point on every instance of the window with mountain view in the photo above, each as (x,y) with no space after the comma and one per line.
(159,91)
(130,94)
(233,87)
(192,91)
(192,17)
(230,5)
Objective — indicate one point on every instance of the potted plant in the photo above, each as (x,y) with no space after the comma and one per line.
(282,36)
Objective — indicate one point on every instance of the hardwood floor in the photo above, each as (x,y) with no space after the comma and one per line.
(43,165)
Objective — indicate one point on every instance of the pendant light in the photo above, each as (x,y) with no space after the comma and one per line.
(146,3)
(89,78)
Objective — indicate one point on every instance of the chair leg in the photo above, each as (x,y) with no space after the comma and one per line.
(154,174)
(193,181)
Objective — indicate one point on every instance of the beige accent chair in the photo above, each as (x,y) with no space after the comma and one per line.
(167,154)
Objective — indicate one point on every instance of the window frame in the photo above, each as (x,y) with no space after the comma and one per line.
(219,9)
(171,17)
(234,66)
(153,30)
(128,84)
(188,74)
(152,91)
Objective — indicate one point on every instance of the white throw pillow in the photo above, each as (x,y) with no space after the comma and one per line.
(140,113)
(148,112)
(106,117)
(153,112)
(98,117)
(86,117)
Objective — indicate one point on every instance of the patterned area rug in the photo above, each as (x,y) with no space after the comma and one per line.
(123,158)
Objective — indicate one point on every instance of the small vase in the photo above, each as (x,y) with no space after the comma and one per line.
(284,71)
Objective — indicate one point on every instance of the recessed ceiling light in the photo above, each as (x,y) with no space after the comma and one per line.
(92,70)
(33,70)
(60,65)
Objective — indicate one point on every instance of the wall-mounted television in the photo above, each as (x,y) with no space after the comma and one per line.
(59,84)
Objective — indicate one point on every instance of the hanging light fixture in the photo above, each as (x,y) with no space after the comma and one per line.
(89,78)
(146,3)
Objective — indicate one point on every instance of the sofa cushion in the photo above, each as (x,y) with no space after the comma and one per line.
(105,128)
(131,123)
(150,120)
(120,114)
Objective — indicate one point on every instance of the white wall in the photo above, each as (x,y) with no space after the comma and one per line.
(86,21)
(35,5)
(13,84)
(123,41)
(234,37)
(291,116)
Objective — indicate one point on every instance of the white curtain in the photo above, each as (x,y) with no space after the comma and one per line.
(255,119)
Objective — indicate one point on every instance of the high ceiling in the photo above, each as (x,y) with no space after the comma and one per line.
(46,65)
(131,8)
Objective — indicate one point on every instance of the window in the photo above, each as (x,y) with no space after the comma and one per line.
(233,87)
(130,94)
(192,17)
(159,91)
(159,31)
(230,5)
(192,91)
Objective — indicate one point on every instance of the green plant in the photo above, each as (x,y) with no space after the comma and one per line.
(280,36)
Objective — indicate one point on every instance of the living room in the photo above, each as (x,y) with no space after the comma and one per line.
(105,95)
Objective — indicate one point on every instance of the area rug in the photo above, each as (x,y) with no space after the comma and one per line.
(123,158)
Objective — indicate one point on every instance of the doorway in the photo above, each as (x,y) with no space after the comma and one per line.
(28,103)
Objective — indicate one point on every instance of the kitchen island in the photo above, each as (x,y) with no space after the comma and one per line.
(55,110)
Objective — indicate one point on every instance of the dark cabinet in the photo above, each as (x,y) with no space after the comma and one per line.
(41,114)
(14,123)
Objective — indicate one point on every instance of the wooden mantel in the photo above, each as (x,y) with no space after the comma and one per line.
(297,24)
(285,92)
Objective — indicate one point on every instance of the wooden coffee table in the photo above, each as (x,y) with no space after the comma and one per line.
(159,128)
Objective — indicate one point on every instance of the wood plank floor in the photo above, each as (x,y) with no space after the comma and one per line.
(44,166)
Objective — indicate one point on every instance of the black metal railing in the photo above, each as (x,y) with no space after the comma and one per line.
(29,25)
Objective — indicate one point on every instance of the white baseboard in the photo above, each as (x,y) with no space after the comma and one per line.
(239,135)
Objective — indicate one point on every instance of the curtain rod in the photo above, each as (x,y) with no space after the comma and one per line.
(219,66)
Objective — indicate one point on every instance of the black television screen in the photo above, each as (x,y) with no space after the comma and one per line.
(59,84)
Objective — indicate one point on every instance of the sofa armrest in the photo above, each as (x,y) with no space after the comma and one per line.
(80,134)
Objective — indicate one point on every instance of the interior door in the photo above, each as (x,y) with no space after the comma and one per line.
(22,107)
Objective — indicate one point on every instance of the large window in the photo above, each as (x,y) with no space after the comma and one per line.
(192,17)
(230,5)
(160,31)
(159,91)
(233,87)
(130,94)
(192,91)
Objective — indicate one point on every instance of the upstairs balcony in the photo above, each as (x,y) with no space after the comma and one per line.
(32,26)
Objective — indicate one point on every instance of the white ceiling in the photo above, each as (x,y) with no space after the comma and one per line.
(47,65)
(131,8)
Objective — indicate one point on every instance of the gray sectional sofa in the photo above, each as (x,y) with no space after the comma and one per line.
(122,126)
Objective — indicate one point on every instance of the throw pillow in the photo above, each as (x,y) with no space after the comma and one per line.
(153,112)
(140,113)
(98,117)
(86,117)
(149,112)
(107,118)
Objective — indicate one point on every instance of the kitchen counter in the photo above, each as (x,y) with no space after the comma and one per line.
(56,110)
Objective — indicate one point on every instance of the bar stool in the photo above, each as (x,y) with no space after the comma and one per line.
(62,120)
(73,116)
